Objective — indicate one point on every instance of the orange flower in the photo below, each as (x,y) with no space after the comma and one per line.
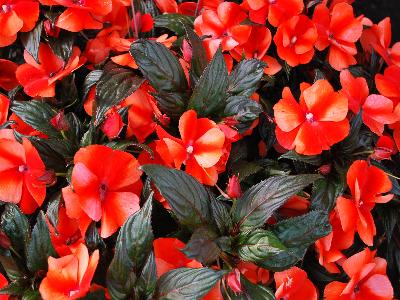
(295,40)
(40,79)
(385,147)
(8,81)
(367,184)
(377,110)
(69,276)
(81,14)
(379,37)
(338,30)
(21,169)
(253,273)
(66,236)
(277,11)
(256,47)
(103,187)
(21,127)
(330,247)
(3,283)
(368,279)
(200,148)
(4,105)
(293,284)
(15,16)
(388,84)
(314,124)
(224,27)
(168,256)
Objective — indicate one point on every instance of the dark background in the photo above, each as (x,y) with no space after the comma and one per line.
(376,10)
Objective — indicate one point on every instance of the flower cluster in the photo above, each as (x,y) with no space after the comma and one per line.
(209,149)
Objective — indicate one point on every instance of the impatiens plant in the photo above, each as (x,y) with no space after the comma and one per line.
(209,149)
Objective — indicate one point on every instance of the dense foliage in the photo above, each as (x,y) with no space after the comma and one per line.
(162,149)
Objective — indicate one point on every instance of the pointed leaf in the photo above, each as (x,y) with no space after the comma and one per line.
(245,77)
(31,40)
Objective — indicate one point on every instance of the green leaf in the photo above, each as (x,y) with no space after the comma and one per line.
(283,260)
(202,246)
(159,66)
(187,197)
(303,230)
(199,56)
(115,84)
(16,226)
(259,202)
(92,237)
(174,22)
(242,109)
(173,104)
(62,45)
(36,114)
(13,271)
(31,40)
(325,192)
(15,288)
(39,247)
(210,92)
(66,91)
(147,281)
(186,283)
(31,295)
(314,160)
(90,80)
(96,295)
(245,77)
(133,246)
(221,216)
(259,245)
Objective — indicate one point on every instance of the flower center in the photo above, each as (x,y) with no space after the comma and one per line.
(102,191)
(22,168)
(5,8)
(189,149)
(309,117)
(272,1)
(289,281)
(293,40)
(78,2)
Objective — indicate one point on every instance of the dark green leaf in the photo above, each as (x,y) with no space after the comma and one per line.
(174,22)
(36,114)
(31,295)
(242,109)
(52,210)
(90,80)
(187,197)
(325,192)
(199,56)
(16,226)
(221,216)
(314,160)
(31,40)
(283,260)
(13,271)
(186,283)
(252,291)
(133,246)
(173,104)
(303,230)
(245,77)
(115,84)
(39,247)
(258,203)
(159,66)
(259,245)
(202,246)
(146,282)
(15,288)
(62,45)
(92,237)
(210,92)
(66,91)
(96,295)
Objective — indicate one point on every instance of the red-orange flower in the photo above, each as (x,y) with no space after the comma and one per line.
(368,279)
(277,11)
(69,276)
(293,284)
(377,110)
(224,27)
(8,81)
(4,105)
(103,187)
(388,83)
(314,124)
(379,37)
(256,47)
(295,40)
(385,147)
(15,16)
(168,256)
(200,147)
(338,30)
(21,127)
(3,283)
(39,79)
(253,273)
(367,184)
(21,169)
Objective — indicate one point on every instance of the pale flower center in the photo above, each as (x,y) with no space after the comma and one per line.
(5,8)
(293,40)
(309,117)
(22,168)
(189,149)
